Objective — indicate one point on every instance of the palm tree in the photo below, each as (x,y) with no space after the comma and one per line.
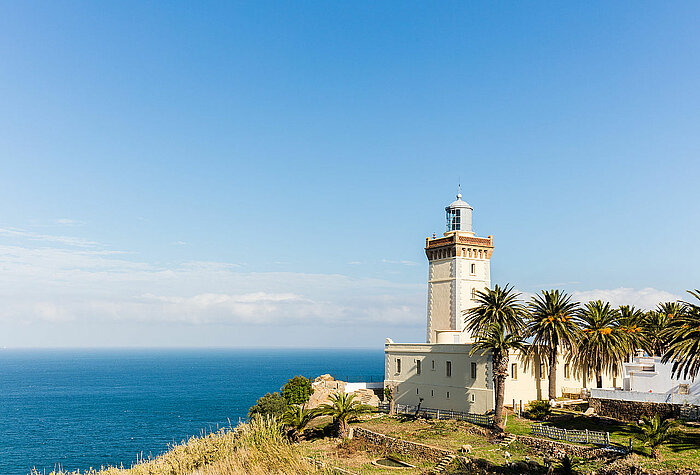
(655,326)
(297,418)
(631,321)
(500,306)
(496,341)
(655,432)
(343,407)
(604,345)
(683,335)
(551,325)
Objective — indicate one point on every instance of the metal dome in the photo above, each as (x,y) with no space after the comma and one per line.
(459,203)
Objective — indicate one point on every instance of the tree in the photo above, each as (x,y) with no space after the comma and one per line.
(271,404)
(296,419)
(683,336)
(499,343)
(655,432)
(655,334)
(604,345)
(298,390)
(496,325)
(631,321)
(551,324)
(343,407)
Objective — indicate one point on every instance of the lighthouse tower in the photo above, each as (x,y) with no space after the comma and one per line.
(458,267)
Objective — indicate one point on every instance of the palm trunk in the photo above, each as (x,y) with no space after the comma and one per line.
(500,372)
(553,374)
(343,429)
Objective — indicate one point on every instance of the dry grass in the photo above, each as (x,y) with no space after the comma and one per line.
(258,447)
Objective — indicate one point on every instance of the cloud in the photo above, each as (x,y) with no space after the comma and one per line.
(402,263)
(32,236)
(645,299)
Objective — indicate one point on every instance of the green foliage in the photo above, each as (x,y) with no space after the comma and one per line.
(539,410)
(298,390)
(388,393)
(683,336)
(343,407)
(297,418)
(271,404)
(654,432)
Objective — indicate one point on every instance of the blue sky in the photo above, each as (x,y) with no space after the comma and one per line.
(257,173)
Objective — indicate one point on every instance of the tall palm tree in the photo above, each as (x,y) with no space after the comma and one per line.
(496,325)
(631,321)
(683,336)
(552,326)
(499,343)
(656,325)
(343,407)
(604,345)
(654,432)
(297,418)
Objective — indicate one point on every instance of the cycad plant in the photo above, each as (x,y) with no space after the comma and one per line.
(631,321)
(683,336)
(604,345)
(553,328)
(654,432)
(343,407)
(296,419)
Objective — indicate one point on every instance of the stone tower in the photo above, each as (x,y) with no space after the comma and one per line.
(458,266)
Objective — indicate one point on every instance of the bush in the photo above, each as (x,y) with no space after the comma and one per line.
(539,410)
(298,390)
(269,405)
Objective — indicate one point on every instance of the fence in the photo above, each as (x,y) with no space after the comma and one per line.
(359,379)
(580,436)
(428,413)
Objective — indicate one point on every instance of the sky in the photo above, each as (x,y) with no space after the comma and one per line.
(205,174)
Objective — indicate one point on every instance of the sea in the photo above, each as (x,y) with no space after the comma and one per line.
(77,409)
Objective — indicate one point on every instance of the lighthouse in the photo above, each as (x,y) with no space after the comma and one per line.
(458,267)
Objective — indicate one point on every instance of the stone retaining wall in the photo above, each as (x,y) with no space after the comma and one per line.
(632,411)
(401,446)
(556,449)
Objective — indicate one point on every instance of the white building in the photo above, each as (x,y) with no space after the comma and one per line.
(441,374)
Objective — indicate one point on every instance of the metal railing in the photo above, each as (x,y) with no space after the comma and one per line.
(428,413)
(359,379)
(579,436)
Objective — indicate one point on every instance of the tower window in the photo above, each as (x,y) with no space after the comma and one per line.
(472,397)
(448,394)
(454,219)
(418,368)
(398,365)
(448,369)
(566,371)
(542,375)
(473,370)
(473,269)
(432,392)
(514,371)
(433,365)
(473,294)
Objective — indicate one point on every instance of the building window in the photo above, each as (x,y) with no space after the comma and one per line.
(542,375)
(473,293)
(418,368)
(416,390)
(432,393)
(472,397)
(473,269)
(566,371)
(454,219)
(448,369)
(473,370)
(398,365)
(433,364)
(448,394)
(514,371)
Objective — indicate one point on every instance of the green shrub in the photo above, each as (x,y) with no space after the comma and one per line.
(298,390)
(271,404)
(539,410)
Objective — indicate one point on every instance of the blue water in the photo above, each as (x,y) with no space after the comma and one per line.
(89,408)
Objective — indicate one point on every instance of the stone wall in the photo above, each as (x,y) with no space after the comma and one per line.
(632,411)
(401,446)
(556,449)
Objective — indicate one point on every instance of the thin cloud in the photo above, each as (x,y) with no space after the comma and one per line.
(645,299)
(32,236)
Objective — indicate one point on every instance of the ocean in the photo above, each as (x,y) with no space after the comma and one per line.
(89,408)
